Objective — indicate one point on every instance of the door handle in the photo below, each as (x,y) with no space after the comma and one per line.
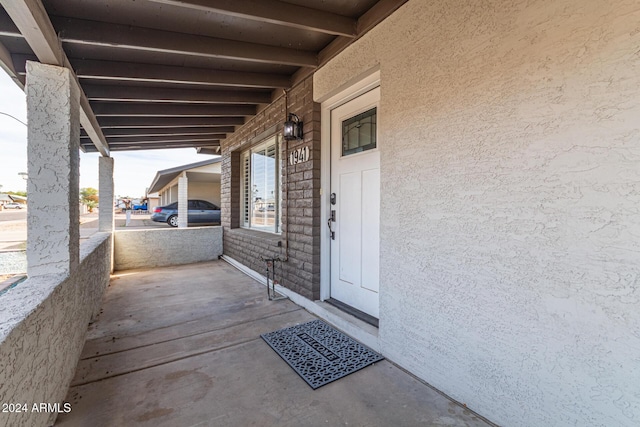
(329,221)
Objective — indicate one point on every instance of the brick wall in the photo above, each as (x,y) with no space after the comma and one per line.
(300,186)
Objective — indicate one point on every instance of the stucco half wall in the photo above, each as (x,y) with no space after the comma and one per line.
(510,169)
(43,324)
(162,247)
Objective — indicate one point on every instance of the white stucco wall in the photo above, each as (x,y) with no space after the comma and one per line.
(162,247)
(53,135)
(510,237)
(43,323)
(173,193)
(209,191)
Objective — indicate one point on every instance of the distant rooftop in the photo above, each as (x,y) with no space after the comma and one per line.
(165,176)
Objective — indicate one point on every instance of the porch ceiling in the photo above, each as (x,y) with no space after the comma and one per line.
(179,73)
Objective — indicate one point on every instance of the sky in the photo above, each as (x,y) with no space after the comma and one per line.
(133,170)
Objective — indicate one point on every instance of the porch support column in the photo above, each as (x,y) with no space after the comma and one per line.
(183,202)
(53,137)
(105,190)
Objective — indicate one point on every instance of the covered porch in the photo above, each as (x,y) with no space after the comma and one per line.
(502,200)
(181,346)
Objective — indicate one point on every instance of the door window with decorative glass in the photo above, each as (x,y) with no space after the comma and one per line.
(260,187)
(359,132)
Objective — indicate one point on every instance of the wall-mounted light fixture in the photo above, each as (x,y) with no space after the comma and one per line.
(292,128)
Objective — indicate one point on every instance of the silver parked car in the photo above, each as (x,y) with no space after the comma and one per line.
(13,205)
(200,211)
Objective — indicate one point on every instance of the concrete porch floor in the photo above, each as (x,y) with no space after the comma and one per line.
(181,346)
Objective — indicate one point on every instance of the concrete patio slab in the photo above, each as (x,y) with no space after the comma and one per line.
(181,346)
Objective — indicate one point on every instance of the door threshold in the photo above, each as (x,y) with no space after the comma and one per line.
(367,318)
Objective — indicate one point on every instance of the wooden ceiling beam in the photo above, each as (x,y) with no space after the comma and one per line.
(165,138)
(159,94)
(121,109)
(372,17)
(181,131)
(160,145)
(6,63)
(378,13)
(153,146)
(32,21)
(275,12)
(208,150)
(158,74)
(162,122)
(116,36)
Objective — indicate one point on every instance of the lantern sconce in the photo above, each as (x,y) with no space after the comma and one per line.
(292,128)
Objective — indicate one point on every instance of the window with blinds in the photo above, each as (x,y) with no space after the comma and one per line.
(246,182)
(260,187)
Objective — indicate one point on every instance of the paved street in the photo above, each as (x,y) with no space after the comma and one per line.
(13,235)
(13,214)
(13,229)
(13,226)
(13,239)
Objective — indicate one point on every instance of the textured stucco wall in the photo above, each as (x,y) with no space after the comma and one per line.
(53,136)
(209,191)
(106,217)
(183,208)
(173,193)
(43,323)
(161,247)
(510,240)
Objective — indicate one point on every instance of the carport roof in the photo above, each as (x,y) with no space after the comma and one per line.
(164,177)
(179,73)
(12,197)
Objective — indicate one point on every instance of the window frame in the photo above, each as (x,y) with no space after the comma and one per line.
(246,183)
(372,115)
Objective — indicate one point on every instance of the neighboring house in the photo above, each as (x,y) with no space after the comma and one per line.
(4,198)
(9,198)
(153,201)
(201,179)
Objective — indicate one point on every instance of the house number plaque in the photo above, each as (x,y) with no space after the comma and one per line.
(299,155)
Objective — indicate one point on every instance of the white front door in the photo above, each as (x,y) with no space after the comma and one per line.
(355,182)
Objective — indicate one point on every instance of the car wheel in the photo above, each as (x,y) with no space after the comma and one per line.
(173,220)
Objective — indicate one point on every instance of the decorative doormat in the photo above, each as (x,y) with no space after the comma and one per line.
(319,353)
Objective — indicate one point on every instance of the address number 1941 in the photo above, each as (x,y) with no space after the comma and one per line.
(299,155)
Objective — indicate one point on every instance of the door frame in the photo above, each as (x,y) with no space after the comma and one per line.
(364,84)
